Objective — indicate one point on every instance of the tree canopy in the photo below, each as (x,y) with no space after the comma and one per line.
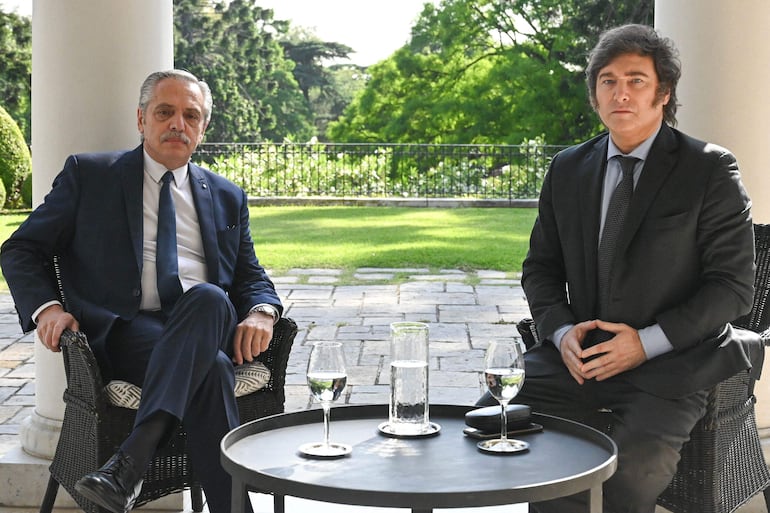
(16,71)
(488,71)
(474,71)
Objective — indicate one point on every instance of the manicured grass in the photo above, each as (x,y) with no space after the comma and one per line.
(350,237)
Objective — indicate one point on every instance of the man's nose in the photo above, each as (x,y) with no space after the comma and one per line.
(177,123)
(621,91)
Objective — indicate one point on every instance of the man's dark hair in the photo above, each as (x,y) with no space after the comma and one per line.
(639,40)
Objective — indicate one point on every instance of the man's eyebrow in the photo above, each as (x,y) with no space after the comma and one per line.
(632,73)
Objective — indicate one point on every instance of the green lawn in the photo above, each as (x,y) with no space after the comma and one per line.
(350,237)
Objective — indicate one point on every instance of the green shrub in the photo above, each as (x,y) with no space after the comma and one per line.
(2,193)
(15,162)
(26,191)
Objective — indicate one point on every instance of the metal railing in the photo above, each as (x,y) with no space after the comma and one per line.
(381,170)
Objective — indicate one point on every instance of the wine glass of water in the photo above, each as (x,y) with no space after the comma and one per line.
(326,377)
(504,376)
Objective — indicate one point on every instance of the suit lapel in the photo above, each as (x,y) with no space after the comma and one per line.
(132,176)
(204,205)
(590,194)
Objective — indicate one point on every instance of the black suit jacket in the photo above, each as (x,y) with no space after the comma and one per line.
(685,259)
(92,218)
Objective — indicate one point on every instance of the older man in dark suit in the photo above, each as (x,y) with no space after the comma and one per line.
(634,295)
(173,326)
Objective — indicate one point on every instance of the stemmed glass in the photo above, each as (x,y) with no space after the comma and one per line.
(326,377)
(504,376)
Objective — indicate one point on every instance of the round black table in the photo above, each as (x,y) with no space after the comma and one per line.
(443,471)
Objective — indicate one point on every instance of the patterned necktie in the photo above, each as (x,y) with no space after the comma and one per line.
(166,263)
(613,223)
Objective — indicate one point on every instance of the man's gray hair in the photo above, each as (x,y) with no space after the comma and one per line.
(148,88)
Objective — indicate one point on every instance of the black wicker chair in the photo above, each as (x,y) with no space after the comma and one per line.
(722,465)
(93,428)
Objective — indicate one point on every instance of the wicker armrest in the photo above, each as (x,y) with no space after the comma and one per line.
(84,379)
(276,358)
(528,332)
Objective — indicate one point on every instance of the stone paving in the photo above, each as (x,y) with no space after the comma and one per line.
(464,310)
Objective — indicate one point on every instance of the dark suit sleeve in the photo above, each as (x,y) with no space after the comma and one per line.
(725,243)
(26,256)
(544,274)
(251,284)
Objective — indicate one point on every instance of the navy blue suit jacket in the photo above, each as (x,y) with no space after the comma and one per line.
(92,218)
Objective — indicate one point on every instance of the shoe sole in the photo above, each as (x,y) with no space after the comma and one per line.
(92,493)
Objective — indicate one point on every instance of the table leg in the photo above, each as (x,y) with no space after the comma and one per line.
(595,499)
(240,496)
(278,504)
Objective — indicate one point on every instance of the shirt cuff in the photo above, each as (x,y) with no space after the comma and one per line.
(559,334)
(654,341)
(259,306)
(40,309)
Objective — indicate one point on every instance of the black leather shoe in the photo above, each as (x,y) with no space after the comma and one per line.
(115,486)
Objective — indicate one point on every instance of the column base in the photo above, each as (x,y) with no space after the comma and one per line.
(39,435)
(25,479)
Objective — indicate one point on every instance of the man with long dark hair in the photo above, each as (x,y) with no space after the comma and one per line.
(641,255)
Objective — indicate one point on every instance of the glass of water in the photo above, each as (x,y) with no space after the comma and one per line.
(408,414)
(326,377)
(504,376)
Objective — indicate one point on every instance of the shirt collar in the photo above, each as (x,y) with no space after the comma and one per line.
(156,170)
(639,152)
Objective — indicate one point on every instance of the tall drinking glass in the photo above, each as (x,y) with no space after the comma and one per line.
(408,414)
(326,377)
(504,376)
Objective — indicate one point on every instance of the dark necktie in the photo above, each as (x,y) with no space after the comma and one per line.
(166,263)
(613,224)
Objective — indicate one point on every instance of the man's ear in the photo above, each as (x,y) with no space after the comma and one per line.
(140,121)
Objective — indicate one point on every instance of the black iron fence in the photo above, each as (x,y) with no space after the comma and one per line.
(339,170)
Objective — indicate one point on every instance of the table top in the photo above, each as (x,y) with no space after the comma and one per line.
(443,471)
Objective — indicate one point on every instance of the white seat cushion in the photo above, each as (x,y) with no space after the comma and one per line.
(249,377)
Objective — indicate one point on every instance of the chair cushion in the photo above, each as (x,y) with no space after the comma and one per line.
(249,377)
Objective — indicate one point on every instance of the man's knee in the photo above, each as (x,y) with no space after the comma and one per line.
(207,295)
(206,301)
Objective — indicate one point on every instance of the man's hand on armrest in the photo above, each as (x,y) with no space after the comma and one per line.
(51,322)
(252,336)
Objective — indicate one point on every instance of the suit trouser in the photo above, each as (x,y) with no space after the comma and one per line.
(182,364)
(648,430)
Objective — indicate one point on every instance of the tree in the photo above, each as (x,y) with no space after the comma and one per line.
(16,71)
(488,71)
(234,47)
(325,89)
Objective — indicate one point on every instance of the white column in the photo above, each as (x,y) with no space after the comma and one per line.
(89,58)
(723,96)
